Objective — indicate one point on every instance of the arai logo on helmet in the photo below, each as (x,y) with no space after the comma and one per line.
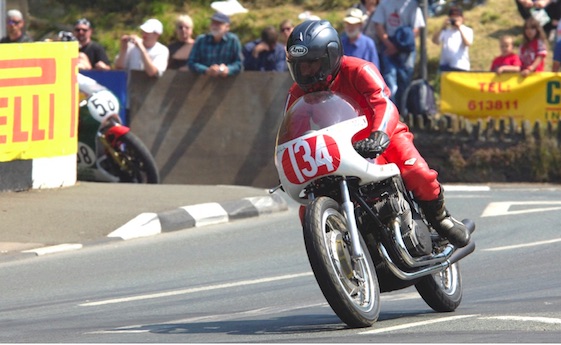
(298,50)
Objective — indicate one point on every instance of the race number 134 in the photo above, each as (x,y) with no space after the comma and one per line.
(310,158)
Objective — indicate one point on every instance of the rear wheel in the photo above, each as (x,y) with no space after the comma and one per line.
(442,291)
(350,285)
(133,162)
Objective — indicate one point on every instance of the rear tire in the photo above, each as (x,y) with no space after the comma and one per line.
(349,286)
(442,291)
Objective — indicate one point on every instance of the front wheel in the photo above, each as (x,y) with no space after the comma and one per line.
(442,291)
(132,161)
(350,285)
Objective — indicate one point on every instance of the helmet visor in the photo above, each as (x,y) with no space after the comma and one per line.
(309,74)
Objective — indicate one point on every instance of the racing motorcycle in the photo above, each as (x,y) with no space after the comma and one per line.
(364,233)
(107,150)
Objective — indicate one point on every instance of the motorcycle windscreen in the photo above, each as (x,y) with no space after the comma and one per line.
(316,111)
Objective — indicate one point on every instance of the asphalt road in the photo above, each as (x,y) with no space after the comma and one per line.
(249,281)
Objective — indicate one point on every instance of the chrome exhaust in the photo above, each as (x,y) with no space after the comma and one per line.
(455,257)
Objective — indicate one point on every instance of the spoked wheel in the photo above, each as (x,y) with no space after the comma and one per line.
(135,163)
(442,291)
(350,285)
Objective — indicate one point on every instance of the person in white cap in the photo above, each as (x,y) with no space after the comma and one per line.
(15,28)
(144,53)
(354,42)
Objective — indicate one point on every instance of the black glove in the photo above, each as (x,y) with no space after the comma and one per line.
(372,146)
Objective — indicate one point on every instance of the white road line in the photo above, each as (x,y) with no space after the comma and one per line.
(417,324)
(465,188)
(523,245)
(502,208)
(400,296)
(540,319)
(193,290)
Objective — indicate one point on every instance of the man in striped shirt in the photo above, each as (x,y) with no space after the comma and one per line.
(217,53)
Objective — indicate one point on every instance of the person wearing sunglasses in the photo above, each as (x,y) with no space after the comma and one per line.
(96,56)
(15,27)
(285,29)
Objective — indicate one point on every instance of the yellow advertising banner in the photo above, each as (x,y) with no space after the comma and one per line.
(38,100)
(480,95)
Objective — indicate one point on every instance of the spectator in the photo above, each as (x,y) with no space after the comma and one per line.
(508,61)
(354,42)
(533,49)
(455,39)
(368,7)
(180,49)
(15,25)
(96,57)
(265,54)
(285,28)
(397,24)
(219,52)
(144,53)
(547,12)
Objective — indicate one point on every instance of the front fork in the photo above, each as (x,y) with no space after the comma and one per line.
(108,136)
(348,212)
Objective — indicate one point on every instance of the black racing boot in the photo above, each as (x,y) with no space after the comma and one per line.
(441,220)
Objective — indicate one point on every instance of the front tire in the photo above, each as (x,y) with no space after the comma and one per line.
(442,291)
(137,163)
(349,286)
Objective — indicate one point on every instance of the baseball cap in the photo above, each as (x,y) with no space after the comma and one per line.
(152,26)
(14,14)
(354,16)
(220,17)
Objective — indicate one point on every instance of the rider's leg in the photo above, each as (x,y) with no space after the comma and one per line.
(422,182)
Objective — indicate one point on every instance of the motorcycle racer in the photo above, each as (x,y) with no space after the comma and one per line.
(316,63)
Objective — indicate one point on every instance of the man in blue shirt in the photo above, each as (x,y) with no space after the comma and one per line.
(354,42)
(217,53)
(265,54)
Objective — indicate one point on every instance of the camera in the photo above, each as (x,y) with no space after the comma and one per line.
(453,22)
(66,36)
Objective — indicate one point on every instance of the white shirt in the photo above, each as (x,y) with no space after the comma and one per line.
(454,52)
(395,13)
(159,54)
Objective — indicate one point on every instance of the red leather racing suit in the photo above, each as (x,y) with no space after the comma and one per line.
(362,81)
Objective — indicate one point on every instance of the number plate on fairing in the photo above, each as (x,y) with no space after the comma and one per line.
(309,158)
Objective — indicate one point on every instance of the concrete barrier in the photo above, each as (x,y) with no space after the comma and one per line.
(203,130)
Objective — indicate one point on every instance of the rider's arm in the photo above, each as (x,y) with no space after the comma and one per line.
(371,84)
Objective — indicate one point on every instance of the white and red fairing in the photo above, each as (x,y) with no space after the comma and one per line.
(315,140)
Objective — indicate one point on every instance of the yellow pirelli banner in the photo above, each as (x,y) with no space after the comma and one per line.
(480,95)
(38,100)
